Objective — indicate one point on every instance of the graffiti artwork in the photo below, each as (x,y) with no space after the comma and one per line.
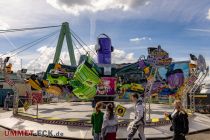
(158,57)
(169,79)
(107,86)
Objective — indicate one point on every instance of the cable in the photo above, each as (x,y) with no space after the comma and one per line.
(62,61)
(73,33)
(26,29)
(10,42)
(25,45)
(51,57)
(80,43)
(50,35)
(76,47)
(49,45)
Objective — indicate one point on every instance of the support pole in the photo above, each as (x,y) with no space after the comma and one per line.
(21,64)
(37,110)
(150,108)
(147,94)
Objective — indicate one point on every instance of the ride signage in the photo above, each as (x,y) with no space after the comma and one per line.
(158,57)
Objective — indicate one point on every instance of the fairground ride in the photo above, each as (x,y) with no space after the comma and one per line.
(104,81)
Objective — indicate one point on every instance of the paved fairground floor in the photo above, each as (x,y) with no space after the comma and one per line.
(72,119)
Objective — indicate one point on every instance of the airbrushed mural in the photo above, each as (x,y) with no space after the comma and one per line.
(174,77)
(169,78)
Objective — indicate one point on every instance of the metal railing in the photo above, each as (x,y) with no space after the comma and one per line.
(31,102)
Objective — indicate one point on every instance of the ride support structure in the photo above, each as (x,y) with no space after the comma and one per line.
(192,84)
(65,31)
(156,57)
(195,87)
(148,89)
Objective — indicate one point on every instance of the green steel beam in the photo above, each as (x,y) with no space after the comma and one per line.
(65,31)
(59,44)
(70,45)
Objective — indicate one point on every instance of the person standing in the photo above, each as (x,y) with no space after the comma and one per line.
(6,102)
(139,121)
(110,124)
(96,121)
(180,123)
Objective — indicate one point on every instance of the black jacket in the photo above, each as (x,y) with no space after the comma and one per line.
(180,123)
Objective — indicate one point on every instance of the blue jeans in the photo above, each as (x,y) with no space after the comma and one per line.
(97,136)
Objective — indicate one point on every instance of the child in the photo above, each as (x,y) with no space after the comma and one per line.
(96,121)
(110,124)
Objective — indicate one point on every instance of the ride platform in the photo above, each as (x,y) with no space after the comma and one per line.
(73,120)
(67,114)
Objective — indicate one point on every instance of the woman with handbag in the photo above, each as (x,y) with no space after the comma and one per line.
(180,123)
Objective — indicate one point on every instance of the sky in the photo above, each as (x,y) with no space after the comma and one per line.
(181,27)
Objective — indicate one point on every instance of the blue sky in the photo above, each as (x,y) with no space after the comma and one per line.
(180,26)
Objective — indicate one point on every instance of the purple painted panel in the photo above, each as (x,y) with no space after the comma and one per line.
(105,44)
(104,53)
(175,79)
(142,64)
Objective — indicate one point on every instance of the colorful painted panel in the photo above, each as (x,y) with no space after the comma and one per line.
(107,86)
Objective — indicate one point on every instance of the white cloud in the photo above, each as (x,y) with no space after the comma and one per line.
(137,39)
(3,25)
(120,56)
(163,10)
(208,15)
(15,61)
(28,13)
(199,30)
(77,6)
(23,14)
(45,55)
